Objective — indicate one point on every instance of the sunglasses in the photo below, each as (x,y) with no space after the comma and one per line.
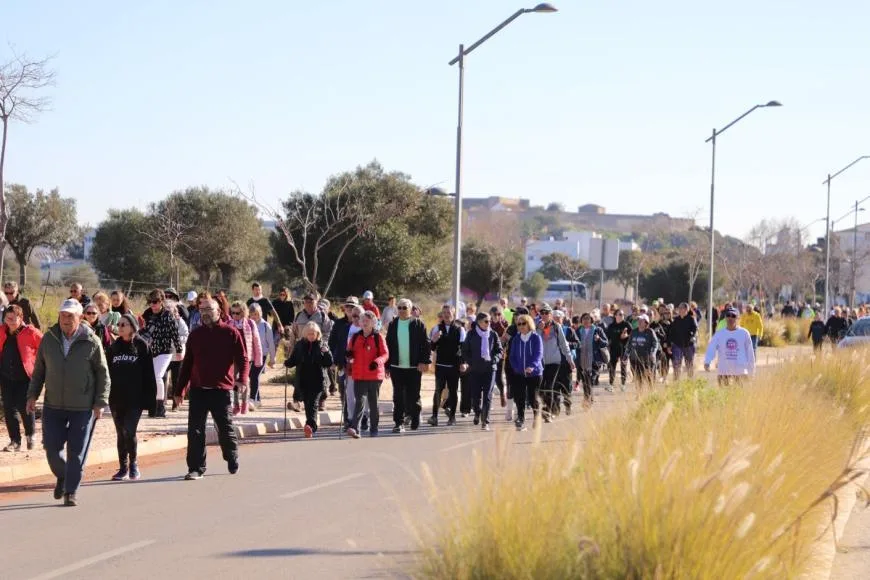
(730,316)
(237,313)
(155,301)
(403,307)
(486,321)
(123,324)
(91,313)
(522,323)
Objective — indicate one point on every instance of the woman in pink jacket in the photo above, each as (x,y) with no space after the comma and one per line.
(253,350)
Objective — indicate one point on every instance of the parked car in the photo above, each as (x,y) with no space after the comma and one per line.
(858,334)
(562,289)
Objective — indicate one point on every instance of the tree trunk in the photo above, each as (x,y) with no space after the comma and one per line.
(204,278)
(22,273)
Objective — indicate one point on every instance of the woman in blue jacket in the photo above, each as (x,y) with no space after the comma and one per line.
(526,360)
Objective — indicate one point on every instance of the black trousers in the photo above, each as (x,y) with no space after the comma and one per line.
(482,385)
(366,392)
(586,379)
(446,377)
(499,377)
(525,389)
(617,357)
(219,403)
(643,370)
(464,394)
(311,401)
(172,383)
(126,421)
(14,406)
(550,389)
(406,395)
(563,380)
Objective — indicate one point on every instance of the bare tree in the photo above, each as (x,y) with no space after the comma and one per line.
(21,80)
(696,254)
(169,229)
(573,269)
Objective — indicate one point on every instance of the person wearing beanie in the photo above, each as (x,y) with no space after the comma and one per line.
(134,389)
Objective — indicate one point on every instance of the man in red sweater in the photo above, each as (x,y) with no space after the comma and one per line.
(215,361)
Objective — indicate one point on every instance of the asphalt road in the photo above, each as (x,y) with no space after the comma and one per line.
(297,508)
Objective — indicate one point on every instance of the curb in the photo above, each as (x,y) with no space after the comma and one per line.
(170,442)
(824,552)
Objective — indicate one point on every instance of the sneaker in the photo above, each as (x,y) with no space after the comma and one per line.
(58,489)
(69,500)
(521,427)
(476,419)
(364,424)
(451,421)
(193,476)
(236,409)
(373,433)
(352,433)
(251,406)
(567,410)
(548,419)
(122,475)
(399,429)
(463,415)
(244,409)
(30,443)
(609,389)
(309,432)
(485,426)
(622,387)
(433,421)
(134,472)
(415,426)
(233,466)
(12,447)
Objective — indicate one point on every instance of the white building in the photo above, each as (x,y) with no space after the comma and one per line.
(90,236)
(574,244)
(849,245)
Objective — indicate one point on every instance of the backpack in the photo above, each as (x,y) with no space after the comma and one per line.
(377,342)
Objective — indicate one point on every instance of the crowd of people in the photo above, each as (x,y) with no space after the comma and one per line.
(212,351)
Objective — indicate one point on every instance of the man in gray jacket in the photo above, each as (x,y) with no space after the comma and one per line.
(555,353)
(71,364)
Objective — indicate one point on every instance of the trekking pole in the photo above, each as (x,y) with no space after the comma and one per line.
(286,374)
(343,403)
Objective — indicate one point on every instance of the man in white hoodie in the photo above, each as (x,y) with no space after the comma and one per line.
(733,348)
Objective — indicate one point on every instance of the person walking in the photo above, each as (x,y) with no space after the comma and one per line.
(732,348)
(284,311)
(446,339)
(481,353)
(170,379)
(31,318)
(19,343)
(817,332)
(253,350)
(171,294)
(499,325)
(265,304)
(754,325)
(134,389)
(643,347)
(91,317)
(618,334)
(267,344)
(592,340)
(76,292)
(120,303)
(161,332)
(338,347)
(555,351)
(683,336)
(390,312)
(215,360)
(526,353)
(369,305)
(108,317)
(410,355)
(71,367)
(367,354)
(311,359)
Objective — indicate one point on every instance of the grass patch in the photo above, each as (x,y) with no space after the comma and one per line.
(697,483)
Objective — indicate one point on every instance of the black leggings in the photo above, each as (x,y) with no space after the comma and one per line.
(126,423)
(173,370)
(522,389)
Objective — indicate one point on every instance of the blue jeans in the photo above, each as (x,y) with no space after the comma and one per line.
(754,343)
(66,437)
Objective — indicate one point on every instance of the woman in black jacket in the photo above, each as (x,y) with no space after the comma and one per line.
(312,358)
(617,339)
(134,389)
(481,353)
(161,330)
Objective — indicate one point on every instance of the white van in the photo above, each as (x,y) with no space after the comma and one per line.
(562,289)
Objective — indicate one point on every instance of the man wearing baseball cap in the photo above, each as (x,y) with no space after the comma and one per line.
(732,346)
(369,303)
(71,366)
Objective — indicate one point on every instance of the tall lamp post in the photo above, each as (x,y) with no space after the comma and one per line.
(712,139)
(460,59)
(828,227)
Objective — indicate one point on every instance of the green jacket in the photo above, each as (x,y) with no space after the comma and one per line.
(75,382)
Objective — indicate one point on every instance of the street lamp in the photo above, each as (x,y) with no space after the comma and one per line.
(828,227)
(460,58)
(712,139)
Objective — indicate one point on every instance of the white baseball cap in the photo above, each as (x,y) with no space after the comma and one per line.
(71,306)
(191,296)
(367,295)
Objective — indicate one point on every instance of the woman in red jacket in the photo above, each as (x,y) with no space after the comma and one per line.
(18,345)
(366,356)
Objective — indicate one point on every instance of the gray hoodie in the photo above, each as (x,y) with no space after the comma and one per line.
(555,345)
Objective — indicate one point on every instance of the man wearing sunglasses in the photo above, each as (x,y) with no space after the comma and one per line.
(10,290)
(732,346)
(410,355)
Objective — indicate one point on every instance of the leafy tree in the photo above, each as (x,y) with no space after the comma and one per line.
(487,269)
(38,219)
(122,252)
(534,286)
(631,266)
(556,207)
(559,266)
(550,265)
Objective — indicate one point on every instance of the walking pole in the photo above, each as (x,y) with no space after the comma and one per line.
(343,403)
(286,374)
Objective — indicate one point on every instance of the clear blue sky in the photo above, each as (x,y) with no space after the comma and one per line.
(603,102)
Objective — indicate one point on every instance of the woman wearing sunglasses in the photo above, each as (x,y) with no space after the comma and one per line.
(161,331)
(481,353)
(134,388)
(253,348)
(92,317)
(526,360)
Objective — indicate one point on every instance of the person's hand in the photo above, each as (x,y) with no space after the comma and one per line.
(31,406)
(528,371)
(463,368)
(178,401)
(373,366)
(707,368)
(422,367)
(98,411)
(324,349)
(437,336)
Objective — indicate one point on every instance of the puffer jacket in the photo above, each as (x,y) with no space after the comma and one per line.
(311,364)
(362,351)
(27,339)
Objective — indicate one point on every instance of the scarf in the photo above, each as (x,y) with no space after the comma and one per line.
(587,348)
(484,342)
(525,337)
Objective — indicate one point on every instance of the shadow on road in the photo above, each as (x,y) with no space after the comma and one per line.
(288,552)
(28,506)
